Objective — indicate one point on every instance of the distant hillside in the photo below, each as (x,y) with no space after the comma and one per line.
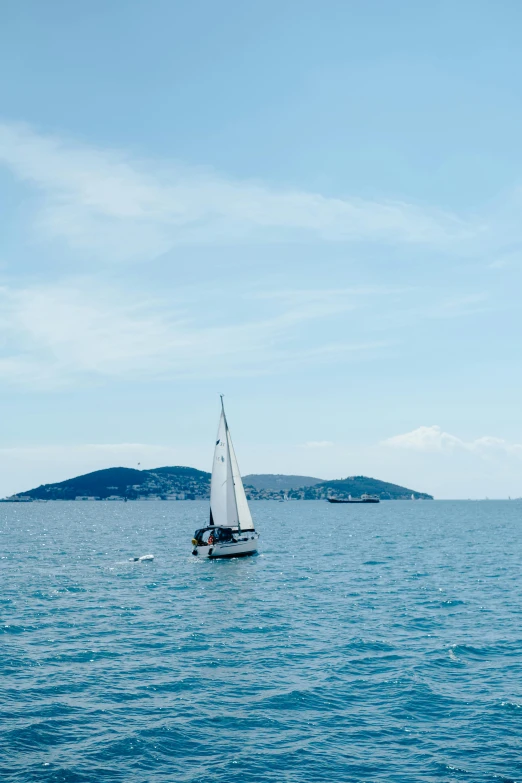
(176,483)
(181,472)
(360,485)
(182,483)
(277,481)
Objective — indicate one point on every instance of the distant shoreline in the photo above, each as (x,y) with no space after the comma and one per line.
(190,500)
(170,483)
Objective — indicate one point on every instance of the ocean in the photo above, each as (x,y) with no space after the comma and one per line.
(362,643)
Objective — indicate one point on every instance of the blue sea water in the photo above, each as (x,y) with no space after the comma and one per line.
(374,643)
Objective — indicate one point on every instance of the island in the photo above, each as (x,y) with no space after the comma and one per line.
(185,483)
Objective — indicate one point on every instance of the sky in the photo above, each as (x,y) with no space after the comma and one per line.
(312,208)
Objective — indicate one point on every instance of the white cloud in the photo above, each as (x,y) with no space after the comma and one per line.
(123,208)
(56,334)
(512,260)
(433,439)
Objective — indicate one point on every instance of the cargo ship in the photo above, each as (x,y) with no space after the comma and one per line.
(362,499)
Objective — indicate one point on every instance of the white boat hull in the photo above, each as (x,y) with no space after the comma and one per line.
(246,545)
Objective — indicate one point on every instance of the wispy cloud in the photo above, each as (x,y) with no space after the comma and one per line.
(507,260)
(59,334)
(123,207)
(65,332)
(433,439)
(457,306)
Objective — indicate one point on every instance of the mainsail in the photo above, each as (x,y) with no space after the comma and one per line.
(218,485)
(228,503)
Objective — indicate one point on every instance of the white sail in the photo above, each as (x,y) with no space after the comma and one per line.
(228,503)
(220,473)
(232,515)
(243,511)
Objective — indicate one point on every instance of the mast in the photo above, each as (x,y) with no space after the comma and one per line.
(229,462)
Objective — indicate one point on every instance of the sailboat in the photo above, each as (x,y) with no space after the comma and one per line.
(230,532)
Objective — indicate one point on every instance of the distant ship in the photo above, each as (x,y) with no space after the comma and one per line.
(362,499)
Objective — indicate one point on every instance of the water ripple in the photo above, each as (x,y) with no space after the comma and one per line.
(395,655)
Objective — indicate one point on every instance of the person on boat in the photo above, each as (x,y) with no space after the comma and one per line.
(211,539)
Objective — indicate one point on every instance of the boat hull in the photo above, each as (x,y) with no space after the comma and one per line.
(247,545)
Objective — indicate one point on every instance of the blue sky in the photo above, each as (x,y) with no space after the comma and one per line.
(313,208)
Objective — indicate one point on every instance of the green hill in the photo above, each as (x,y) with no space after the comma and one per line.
(128,483)
(362,485)
(277,481)
(182,472)
(184,483)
